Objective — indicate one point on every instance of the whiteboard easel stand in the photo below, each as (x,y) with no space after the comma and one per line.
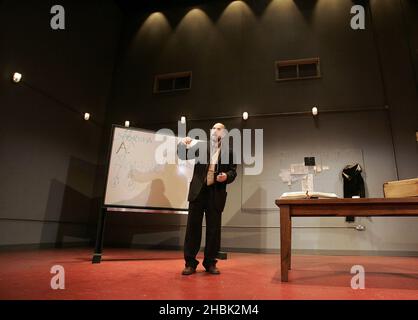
(98,248)
(105,209)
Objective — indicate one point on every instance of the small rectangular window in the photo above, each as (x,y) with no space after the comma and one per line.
(182,83)
(287,72)
(172,82)
(308,70)
(164,85)
(298,69)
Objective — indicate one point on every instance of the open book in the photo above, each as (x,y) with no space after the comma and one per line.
(308,195)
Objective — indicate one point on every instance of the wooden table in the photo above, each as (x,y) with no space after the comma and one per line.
(364,207)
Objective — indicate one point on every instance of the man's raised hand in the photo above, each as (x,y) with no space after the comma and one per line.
(187,140)
(221,177)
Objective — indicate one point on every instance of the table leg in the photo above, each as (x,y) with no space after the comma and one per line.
(290,243)
(285,241)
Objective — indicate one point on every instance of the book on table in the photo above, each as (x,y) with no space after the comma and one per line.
(308,195)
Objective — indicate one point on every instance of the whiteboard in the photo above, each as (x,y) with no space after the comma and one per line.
(136,178)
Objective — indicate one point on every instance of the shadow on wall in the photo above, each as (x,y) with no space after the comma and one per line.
(147,230)
(154,193)
(71,209)
(151,230)
(251,234)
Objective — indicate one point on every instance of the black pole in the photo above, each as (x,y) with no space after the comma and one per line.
(98,248)
(384,87)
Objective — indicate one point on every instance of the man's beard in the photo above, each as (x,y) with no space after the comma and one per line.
(216,140)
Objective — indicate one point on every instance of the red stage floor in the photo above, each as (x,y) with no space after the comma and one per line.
(141,274)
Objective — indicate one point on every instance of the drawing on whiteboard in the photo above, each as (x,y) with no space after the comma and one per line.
(136,179)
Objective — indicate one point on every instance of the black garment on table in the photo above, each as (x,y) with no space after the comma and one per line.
(353,184)
(353,181)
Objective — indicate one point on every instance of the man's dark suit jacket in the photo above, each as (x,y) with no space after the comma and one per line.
(201,169)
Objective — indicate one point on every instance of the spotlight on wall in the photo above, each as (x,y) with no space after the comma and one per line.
(245,115)
(86,116)
(17,77)
(127,123)
(183,119)
(315,111)
(360,227)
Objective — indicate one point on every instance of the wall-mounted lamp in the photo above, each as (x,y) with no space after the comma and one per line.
(183,120)
(245,115)
(127,123)
(360,227)
(86,116)
(17,77)
(315,111)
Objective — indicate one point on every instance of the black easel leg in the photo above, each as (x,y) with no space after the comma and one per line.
(98,249)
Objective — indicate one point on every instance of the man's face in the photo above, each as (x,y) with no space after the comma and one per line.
(217,132)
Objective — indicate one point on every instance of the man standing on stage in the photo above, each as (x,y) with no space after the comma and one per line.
(207,194)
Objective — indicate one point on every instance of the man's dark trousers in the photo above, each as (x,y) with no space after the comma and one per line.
(204,204)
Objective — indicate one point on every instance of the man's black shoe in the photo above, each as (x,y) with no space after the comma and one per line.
(188,271)
(213,270)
